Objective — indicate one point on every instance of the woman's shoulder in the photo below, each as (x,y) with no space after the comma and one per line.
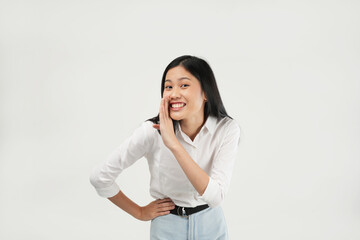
(144,133)
(148,128)
(227,124)
(144,129)
(229,129)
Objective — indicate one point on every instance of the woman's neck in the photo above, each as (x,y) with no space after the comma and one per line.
(191,127)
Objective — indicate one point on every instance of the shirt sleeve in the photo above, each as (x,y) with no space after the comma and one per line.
(133,148)
(223,163)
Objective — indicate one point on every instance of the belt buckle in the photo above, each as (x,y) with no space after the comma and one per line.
(183,212)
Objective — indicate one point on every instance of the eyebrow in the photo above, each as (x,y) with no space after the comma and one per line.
(182,78)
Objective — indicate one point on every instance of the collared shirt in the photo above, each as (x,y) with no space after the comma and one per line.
(214,149)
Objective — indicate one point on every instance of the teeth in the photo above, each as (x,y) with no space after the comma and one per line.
(177,105)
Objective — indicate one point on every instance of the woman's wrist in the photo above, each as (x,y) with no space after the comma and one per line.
(138,213)
(175,147)
(126,204)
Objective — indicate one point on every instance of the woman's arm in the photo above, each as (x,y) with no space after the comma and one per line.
(154,209)
(125,203)
(212,188)
(136,146)
(104,175)
(196,175)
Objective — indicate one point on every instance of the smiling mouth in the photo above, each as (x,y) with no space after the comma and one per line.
(177,106)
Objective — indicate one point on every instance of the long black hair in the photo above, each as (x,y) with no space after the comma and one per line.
(200,69)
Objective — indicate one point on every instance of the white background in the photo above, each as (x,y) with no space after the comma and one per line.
(77,77)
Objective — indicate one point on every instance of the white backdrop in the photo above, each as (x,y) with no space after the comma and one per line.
(77,77)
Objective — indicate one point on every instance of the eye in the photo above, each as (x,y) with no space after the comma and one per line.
(168,87)
(185,85)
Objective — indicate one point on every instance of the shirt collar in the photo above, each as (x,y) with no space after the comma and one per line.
(210,124)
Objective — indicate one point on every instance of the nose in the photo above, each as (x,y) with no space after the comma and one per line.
(175,93)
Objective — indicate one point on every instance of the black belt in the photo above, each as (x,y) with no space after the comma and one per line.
(186,211)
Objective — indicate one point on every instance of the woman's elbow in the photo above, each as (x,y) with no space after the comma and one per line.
(215,193)
(94,178)
(217,200)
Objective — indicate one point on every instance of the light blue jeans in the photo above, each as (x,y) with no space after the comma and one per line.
(208,224)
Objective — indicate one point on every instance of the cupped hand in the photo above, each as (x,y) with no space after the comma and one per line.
(156,208)
(166,125)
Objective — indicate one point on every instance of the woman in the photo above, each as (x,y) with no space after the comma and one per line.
(190,146)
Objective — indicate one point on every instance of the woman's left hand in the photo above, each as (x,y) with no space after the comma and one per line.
(166,125)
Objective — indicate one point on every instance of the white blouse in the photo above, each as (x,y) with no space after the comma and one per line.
(214,149)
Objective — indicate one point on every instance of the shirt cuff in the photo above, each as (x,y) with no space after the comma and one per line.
(108,191)
(211,193)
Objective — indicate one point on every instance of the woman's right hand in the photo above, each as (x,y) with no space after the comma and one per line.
(156,208)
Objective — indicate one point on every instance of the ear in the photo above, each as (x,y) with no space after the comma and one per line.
(205,98)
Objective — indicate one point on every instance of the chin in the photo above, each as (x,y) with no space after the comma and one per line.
(175,117)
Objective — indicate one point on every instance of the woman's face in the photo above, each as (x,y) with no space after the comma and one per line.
(186,100)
